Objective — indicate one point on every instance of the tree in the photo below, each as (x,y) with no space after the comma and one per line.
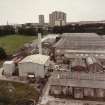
(3,54)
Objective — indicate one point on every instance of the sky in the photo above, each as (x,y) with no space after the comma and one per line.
(23,11)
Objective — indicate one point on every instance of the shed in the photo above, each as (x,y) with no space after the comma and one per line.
(9,68)
(35,64)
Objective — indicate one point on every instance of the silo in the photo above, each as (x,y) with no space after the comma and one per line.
(9,68)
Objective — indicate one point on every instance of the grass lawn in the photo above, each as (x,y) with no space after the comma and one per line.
(19,92)
(11,43)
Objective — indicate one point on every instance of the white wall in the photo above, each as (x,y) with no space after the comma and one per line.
(8,68)
(28,67)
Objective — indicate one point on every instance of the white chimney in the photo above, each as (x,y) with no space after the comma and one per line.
(39,43)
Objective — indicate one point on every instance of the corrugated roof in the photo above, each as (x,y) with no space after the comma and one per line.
(92,80)
(81,41)
(78,83)
(81,34)
(37,58)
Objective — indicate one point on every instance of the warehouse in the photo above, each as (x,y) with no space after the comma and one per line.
(74,85)
(80,45)
(34,65)
(85,77)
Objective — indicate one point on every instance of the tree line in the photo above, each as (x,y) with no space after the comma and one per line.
(27,29)
(23,30)
(98,28)
(6,30)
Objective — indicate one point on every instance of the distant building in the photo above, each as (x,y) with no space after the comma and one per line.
(60,22)
(57,18)
(41,19)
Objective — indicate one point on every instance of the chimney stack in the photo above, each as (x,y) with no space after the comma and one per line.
(39,43)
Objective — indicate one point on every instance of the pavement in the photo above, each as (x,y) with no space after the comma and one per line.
(8,78)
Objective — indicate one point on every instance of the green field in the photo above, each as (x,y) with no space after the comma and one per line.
(11,43)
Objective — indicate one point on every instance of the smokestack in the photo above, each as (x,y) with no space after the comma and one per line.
(39,43)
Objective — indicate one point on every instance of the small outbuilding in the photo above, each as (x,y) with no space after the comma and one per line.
(36,65)
(9,68)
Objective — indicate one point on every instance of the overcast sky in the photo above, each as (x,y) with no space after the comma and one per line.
(22,11)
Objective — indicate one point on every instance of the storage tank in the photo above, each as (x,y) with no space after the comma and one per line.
(9,68)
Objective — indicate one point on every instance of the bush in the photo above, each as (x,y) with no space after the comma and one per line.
(3,54)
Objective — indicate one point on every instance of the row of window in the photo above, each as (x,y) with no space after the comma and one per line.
(78,93)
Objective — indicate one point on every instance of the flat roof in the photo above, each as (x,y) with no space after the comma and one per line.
(8,62)
(81,34)
(61,101)
(37,58)
(78,79)
(78,83)
(85,51)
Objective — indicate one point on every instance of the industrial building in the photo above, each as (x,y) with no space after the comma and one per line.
(83,81)
(79,45)
(77,85)
(80,75)
(34,65)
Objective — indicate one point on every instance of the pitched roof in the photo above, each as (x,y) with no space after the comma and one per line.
(81,41)
(37,58)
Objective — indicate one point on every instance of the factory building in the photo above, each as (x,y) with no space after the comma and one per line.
(34,65)
(84,78)
(78,86)
(79,45)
